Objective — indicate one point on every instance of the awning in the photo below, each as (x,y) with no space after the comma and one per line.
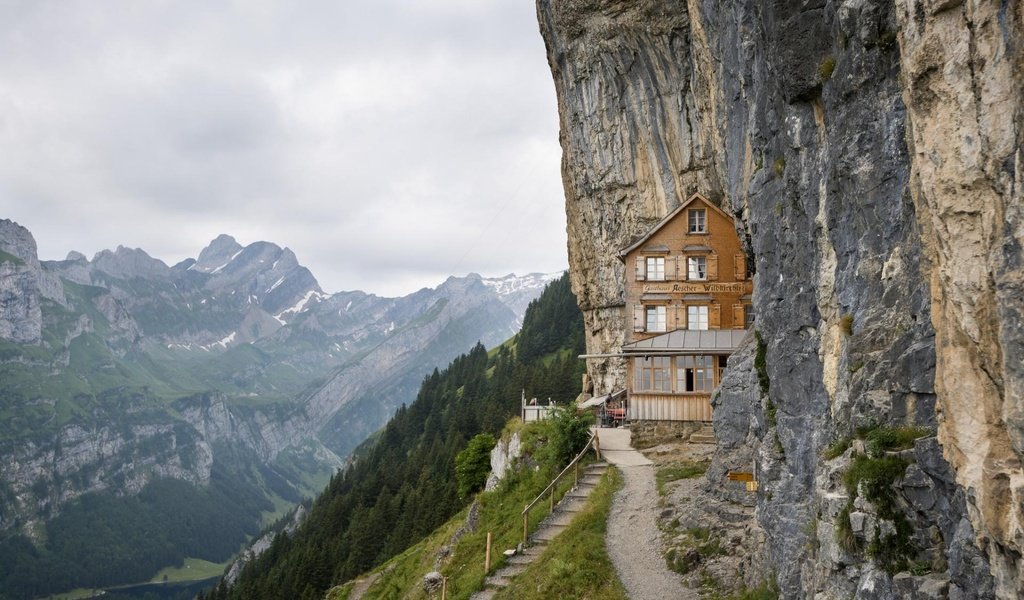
(696,249)
(599,400)
(697,298)
(653,297)
(689,341)
(655,248)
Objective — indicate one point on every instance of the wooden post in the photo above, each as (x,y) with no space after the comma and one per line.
(526,518)
(553,498)
(576,481)
(444,588)
(597,445)
(487,558)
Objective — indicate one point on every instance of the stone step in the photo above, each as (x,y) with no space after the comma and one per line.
(509,571)
(497,582)
(598,466)
(548,532)
(702,439)
(562,520)
(485,594)
(521,559)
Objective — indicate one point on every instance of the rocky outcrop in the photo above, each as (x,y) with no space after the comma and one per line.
(21,319)
(504,455)
(794,117)
(964,71)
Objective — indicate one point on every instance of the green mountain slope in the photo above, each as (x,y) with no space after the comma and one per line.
(403,484)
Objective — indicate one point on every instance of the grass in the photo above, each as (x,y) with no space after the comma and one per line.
(761,364)
(825,69)
(676,471)
(846,324)
(576,564)
(836,448)
(194,569)
(500,514)
(7,257)
(779,166)
(880,439)
(340,592)
(766,591)
(698,544)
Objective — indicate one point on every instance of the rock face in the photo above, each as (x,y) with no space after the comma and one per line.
(844,137)
(964,70)
(21,320)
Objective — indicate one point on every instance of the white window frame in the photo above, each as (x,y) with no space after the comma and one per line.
(655,268)
(697,268)
(695,374)
(659,322)
(652,374)
(697,220)
(697,317)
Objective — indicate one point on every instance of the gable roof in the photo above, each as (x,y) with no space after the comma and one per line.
(667,219)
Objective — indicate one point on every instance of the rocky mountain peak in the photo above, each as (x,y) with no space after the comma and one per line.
(20,314)
(75,256)
(128,263)
(217,254)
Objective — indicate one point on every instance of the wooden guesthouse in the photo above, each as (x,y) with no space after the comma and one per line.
(689,296)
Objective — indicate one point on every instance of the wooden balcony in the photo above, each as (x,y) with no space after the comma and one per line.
(669,407)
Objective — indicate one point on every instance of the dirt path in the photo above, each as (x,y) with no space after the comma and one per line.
(633,538)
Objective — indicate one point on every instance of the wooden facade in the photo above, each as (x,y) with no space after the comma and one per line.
(688,273)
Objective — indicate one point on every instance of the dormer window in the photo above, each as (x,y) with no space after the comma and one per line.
(656,268)
(698,220)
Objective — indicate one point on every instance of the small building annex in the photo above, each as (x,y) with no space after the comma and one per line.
(689,295)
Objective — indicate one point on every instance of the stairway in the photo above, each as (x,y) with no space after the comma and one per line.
(705,435)
(572,503)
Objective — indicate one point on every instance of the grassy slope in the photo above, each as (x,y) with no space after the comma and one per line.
(579,549)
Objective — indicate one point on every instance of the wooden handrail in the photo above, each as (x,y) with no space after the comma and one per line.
(593,441)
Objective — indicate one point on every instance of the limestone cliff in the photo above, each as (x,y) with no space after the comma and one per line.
(871,154)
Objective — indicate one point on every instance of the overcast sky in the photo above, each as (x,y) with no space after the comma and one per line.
(388,143)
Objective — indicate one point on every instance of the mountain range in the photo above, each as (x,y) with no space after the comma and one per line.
(121,371)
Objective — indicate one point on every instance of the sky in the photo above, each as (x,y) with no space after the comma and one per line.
(389,144)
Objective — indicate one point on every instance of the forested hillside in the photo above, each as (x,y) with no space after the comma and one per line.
(403,484)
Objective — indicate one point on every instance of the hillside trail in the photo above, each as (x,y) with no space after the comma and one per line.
(633,539)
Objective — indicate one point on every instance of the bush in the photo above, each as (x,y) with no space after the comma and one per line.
(473,464)
(826,67)
(570,432)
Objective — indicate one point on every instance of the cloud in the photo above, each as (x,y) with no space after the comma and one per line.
(389,144)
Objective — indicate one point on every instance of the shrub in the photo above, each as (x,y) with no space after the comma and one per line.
(837,448)
(826,67)
(473,464)
(570,431)
(761,365)
(846,324)
(779,166)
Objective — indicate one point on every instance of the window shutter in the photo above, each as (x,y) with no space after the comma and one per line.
(715,316)
(670,268)
(681,317)
(740,266)
(712,267)
(684,268)
(738,320)
(641,268)
(639,318)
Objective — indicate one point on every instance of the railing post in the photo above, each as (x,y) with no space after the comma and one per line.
(553,498)
(487,557)
(526,520)
(597,445)
(576,481)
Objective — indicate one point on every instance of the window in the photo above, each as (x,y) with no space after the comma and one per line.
(697,267)
(748,315)
(695,374)
(657,318)
(696,317)
(652,374)
(656,268)
(698,220)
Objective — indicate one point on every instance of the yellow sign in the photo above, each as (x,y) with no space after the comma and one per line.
(695,288)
